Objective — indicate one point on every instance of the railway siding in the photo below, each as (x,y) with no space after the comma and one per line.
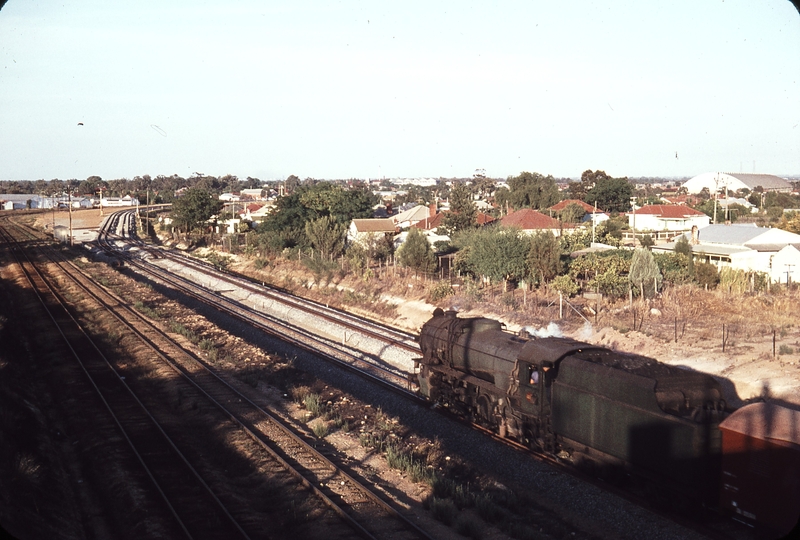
(377,349)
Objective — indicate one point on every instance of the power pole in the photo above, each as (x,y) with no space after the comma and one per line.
(69,201)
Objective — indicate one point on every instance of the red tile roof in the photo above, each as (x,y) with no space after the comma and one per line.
(563,204)
(433,222)
(668,211)
(528,220)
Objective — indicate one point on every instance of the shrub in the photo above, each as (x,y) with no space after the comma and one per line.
(441,290)
(785,349)
(706,275)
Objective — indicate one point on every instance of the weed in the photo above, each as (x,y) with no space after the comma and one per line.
(785,349)
(313,404)
(299,393)
(487,509)
(460,494)
(443,510)
(406,463)
(146,310)
(320,430)
(370,440)
(179,328)
(469,526)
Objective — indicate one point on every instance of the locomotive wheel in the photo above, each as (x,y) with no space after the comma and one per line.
(484,407)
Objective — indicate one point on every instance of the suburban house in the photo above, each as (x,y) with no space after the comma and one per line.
(413,215)
(361,230)
(256,212)
(430,225)
(592,213)
(253,194)
(665,221)
(530,222)
(746,247)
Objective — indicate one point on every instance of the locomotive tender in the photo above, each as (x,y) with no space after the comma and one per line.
(596,407)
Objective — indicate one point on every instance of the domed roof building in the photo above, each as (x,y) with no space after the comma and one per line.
(716,181)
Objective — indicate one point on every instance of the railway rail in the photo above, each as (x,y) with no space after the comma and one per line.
(274,312)
(366,513)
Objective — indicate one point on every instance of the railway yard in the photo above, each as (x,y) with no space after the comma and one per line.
(159,398)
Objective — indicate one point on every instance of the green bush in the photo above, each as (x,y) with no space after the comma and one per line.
(441,290)
(706,275)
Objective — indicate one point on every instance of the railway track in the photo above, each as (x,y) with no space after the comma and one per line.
(354,342)
(363,511)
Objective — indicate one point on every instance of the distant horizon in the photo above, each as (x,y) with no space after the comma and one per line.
(793,178)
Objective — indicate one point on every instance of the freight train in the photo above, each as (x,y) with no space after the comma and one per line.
(619,415)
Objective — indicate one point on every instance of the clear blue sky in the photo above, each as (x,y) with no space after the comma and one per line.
(341,89)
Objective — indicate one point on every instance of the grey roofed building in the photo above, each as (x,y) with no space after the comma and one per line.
(745,247)
(716,181)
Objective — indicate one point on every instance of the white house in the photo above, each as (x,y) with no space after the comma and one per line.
(667,219)
(360,230)
(747,247)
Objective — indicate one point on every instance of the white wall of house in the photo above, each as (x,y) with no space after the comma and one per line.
(785,265)
(652,222)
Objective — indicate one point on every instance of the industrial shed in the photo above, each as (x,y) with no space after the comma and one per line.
(717,181)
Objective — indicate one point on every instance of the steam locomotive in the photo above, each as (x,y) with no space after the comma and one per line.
(613,413)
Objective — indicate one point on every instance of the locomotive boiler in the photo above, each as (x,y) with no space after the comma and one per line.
(594,406)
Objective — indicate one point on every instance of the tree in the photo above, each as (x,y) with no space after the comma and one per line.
(326,235)
(573,213)
(611,194)
(496,253)
(416,252)
(196,206)
(463,211)
(683,247)
(646,240)
(532,190)
(644,272)
(544,257)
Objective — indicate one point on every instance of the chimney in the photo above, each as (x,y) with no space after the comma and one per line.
(432,209)
(695,235)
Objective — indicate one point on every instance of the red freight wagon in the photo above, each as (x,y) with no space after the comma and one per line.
(761,466)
